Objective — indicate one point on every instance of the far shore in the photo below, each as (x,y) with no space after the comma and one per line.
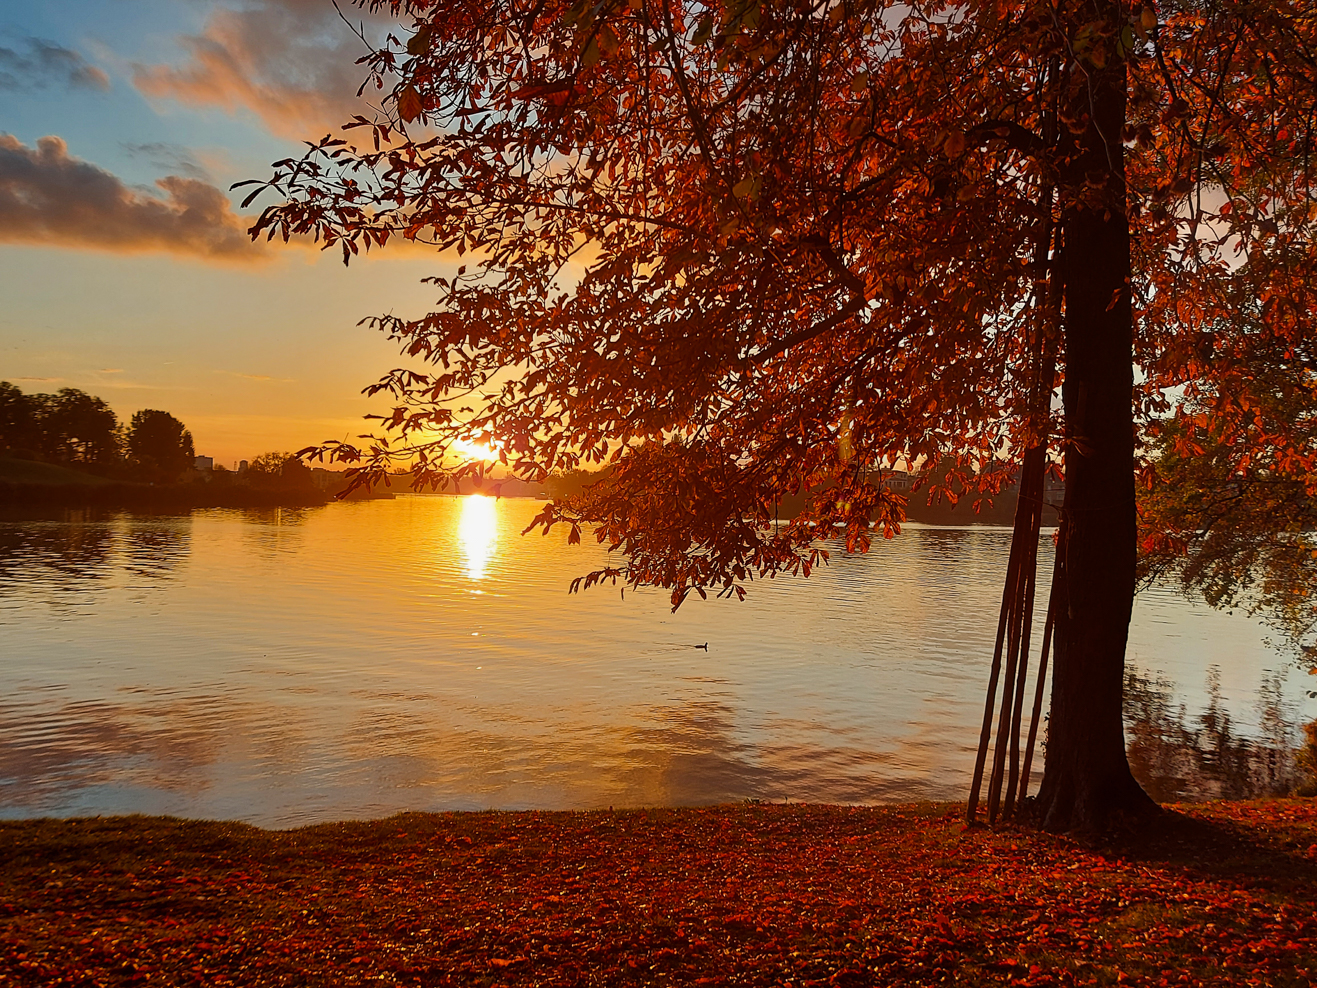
(34,484)
(25,485)
(748,894)
(162,497)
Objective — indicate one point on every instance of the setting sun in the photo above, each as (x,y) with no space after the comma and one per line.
(474,451)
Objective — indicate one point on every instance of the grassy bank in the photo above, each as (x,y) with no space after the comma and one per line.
(1218,894)
(158,497)
(33,484)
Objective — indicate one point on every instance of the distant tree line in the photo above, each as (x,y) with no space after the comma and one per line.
(74,428)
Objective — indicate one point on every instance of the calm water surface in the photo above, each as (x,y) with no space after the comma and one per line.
(286,667)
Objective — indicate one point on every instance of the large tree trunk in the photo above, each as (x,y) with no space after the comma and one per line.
(1086,777)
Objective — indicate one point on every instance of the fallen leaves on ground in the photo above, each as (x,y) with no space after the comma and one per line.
(733,895)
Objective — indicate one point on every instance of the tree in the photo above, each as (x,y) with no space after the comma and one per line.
(276,469)
(77,426)
(69,425)
(19,427)
(1228,504)
(160,443)
(743,249)
(1229,507)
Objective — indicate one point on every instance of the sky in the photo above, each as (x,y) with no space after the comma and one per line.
(125,268)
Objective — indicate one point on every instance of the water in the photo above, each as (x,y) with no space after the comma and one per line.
(292,666)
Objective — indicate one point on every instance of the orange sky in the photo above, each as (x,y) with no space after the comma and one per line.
(124,265)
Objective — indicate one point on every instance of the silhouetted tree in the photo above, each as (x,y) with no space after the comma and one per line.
(78,427)
(20,429)
(160,443)
(279,469)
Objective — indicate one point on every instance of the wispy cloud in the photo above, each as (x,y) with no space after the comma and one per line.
(172,158)
(116,384)
(39,64)
(110,370)
(260,377)
(40,380)
(292,62)
(48,196)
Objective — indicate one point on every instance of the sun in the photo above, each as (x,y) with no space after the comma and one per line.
(474,451)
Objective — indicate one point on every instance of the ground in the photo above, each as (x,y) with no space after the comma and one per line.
(1218,894)
(15,471)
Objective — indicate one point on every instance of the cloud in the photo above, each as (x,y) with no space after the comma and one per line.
(172,158)
(50,197)
(119,385)
(292,62)
(40,380)
(259,377)
(111,370)
(38,64)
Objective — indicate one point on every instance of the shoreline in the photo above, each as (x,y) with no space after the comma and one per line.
(745,894)
(128,496)
(160,497)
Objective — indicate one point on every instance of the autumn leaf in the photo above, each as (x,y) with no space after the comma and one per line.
(419,42)
(410,106)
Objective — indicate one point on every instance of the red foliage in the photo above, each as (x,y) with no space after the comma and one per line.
(759,895)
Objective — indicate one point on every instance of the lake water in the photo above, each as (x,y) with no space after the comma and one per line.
(291,666)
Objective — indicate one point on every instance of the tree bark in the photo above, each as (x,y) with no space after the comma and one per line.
(1087,782)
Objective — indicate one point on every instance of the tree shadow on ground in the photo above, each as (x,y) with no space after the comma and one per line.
(1271,846)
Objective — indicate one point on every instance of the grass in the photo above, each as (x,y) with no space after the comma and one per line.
(15,471)
(1212,894)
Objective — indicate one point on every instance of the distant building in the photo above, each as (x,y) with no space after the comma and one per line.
(898,480)
(242,466)
(205,463)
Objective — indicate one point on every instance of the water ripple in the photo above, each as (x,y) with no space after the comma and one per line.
(285,667)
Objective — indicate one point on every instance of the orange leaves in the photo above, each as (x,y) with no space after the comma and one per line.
(726,228)
(550,91)
(748,187)
(756,894)
(419,43)
(410,105)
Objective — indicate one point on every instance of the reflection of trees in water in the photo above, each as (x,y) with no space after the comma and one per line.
(272,532)
(943,545)
(155,549)
(1177,759)
(82,549)
(78,547)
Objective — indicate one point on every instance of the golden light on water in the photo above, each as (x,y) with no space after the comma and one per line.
(478,532)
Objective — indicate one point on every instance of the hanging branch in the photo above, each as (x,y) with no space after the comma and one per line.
(1058,579)
(985,734)
(1015,620)
(1016,614)
(1024,620)
(1028,516)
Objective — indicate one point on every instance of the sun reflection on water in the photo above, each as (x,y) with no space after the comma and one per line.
(478,532)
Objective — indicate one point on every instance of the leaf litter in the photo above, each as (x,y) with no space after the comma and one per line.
(752,894)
